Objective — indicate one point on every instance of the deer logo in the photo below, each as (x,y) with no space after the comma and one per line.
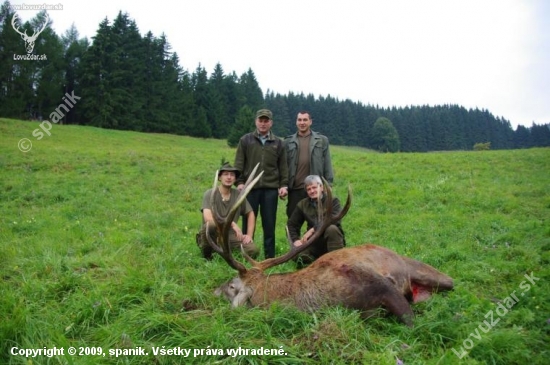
(29,41)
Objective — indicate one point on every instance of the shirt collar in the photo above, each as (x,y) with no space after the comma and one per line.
(266,137)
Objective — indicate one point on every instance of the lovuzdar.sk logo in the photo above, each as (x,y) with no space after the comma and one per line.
(29,40)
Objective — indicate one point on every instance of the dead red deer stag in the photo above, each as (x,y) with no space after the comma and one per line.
(363,277)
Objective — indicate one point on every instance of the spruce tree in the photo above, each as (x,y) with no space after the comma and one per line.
(74,49)
(218,110)
(49,73)
(250,91)
(97,101)
(17,77)
(244,123)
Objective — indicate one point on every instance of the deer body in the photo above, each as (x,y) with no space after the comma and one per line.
(362,277)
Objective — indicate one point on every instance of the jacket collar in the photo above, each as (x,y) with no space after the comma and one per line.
(269,135)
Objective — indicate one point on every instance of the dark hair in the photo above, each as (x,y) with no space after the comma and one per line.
(305,112)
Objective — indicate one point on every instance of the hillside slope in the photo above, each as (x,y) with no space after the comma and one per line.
(97,249)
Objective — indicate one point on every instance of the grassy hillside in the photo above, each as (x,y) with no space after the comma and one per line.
(97,250)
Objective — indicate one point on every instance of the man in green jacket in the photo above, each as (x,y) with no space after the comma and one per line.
(265,148)
(307,153)
(306,211)
(224,199)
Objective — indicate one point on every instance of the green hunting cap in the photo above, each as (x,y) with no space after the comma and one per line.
(227,167)
(264,113)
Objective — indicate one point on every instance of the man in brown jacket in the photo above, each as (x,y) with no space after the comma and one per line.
(265,148)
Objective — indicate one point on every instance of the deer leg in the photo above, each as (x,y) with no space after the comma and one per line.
(427,276)
(396,303)
(382,292)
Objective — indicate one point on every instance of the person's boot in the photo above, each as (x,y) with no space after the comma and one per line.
(206,251)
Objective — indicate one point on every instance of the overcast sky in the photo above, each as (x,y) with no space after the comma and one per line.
(489,54)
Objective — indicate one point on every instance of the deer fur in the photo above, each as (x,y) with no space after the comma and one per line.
(363,277)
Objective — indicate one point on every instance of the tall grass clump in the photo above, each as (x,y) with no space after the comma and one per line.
(97,249)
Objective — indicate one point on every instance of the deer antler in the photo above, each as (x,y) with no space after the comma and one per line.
(15,27)
(223,223)
(326,222)
(35,34)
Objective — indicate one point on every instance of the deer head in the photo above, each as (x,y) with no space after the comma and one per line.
(29,41)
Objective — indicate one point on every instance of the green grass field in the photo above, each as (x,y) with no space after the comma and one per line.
(97,252)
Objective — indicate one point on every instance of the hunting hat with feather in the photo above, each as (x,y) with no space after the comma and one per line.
(227,167)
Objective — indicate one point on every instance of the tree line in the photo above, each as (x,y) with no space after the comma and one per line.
(130,81)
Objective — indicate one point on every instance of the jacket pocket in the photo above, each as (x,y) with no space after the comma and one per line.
(318,150)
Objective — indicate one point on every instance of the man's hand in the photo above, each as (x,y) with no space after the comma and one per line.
(246,239)
(308,234)
(305,237)
(283,192)
(237,230)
